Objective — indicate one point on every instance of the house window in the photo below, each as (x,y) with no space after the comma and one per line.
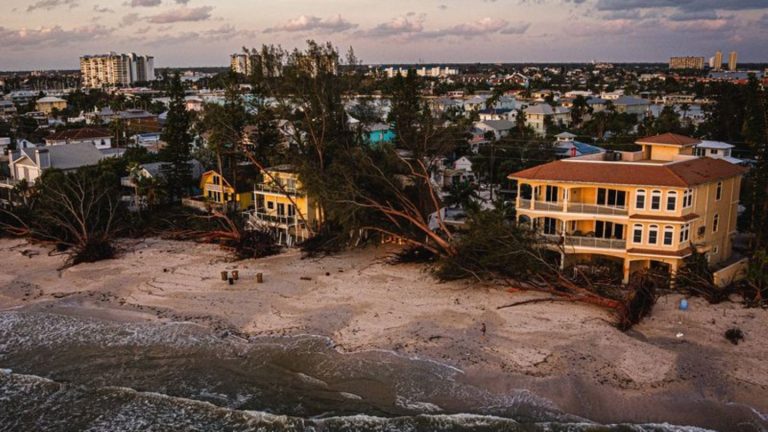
(281,209)
(291,210)
(611,197)
(216,180)
(637,236)
(688,198)
(672,201)
(716,223)
(653,234)
(640,199)
(550,226)
(656,200)
(685,233)
(669,232)
(715,250)
(719,192)
(270,205)
(609,230)
(551,194)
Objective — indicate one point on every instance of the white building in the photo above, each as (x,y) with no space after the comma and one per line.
(716,150)
(116,69)
(537,116)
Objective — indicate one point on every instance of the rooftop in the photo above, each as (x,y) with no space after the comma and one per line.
(79,134)
(669,139)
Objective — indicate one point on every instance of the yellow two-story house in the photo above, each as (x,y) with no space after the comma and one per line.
(229,193)
(282,205)
(649,208)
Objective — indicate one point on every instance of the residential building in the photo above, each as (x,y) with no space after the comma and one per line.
(732,61)
(632,105)
(30,163)
(567,146)
(49,103)
(716,150)
(230,193)
(115,69)
(540,116)
(7,109)
(241,64)
(283,206)
(686,63)
(379,133)
(717,62)
(99,138)
(500,128)
(649,208)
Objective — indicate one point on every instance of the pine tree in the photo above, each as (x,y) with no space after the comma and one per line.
(177,170)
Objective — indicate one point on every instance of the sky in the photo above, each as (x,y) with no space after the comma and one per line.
(53,34)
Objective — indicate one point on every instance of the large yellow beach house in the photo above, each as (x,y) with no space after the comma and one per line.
(282,205)
(647,208)
(222,192)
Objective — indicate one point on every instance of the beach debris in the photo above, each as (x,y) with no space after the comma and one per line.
(305,278)
(235,275)
(679,335)
(683,305)
(735,335)
(327,273)
(29,253)
(482,328)
(224,275)
(259,278)
(231,281)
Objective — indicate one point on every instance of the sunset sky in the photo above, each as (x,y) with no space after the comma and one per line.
(41,34)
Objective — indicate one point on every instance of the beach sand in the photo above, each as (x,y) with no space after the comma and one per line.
(675,367)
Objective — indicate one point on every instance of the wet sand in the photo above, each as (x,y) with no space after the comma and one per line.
(567,353)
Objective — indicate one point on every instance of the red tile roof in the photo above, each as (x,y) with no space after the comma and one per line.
(680,174)
(669,139)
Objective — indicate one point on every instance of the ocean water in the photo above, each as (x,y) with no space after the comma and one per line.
(62,373)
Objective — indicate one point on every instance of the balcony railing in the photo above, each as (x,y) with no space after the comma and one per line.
(597,209)
(261,216)
(272,188)
(587,242)
(572,207)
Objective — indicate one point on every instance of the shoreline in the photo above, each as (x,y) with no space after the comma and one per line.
(566,353)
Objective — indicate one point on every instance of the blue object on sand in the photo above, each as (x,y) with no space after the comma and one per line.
(683,304)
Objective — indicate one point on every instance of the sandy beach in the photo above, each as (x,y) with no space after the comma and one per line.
(675,367)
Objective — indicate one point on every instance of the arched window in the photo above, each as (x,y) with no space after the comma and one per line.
(653,234)
(716,223)
(669,232)
(656,200)
(637,234)
(671,201)
(719,192)
(688,198)
(685,233)
(640,199)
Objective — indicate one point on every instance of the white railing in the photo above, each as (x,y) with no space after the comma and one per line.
(272,188)
(587,242)
(261,216)
(597,209)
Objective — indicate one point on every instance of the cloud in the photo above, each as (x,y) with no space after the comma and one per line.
(308,23)
(129,20)
(403,25)
(102,9)
(223,33)
(144,3)
(16,39)
(685,5)
(51,4)
(482,27)
(183,14)
(694,16)
(518,28)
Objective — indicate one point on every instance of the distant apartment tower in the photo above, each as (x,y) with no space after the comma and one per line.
(116,69)
(732,61)
(241,64)
(717,63)
(686,63)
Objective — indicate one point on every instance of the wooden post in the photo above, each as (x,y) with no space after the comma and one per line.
(224,276)
(235,275)
(259,278)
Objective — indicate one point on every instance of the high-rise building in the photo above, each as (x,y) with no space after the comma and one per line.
(241,64)
(686,63)
(717,64)
(116,69)
(732,61)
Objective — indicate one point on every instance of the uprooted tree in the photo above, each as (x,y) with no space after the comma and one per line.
(78,211)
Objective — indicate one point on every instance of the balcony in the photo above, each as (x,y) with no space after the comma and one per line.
(272,188)
(597,209)
(586,242)
(261,217)
(573,207)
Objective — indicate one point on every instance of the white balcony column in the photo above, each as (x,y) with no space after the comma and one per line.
(566,196)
